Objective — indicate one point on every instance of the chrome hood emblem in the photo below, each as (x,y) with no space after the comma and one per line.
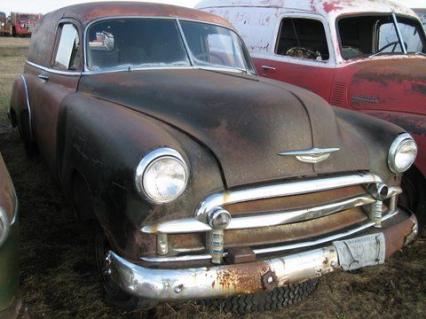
(313,155)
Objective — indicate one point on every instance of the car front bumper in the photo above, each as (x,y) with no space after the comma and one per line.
(263,275)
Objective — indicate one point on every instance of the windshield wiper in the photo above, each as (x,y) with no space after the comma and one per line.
(420,53)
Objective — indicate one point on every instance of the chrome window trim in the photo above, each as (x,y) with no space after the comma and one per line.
(148,159)
(87,71)
(330,63)
(275,249)
(54,71)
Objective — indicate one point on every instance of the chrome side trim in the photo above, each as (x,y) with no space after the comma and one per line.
(192,225)
(313,155)
(281,248)
(53,71)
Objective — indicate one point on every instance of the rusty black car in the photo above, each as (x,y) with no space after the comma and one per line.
(205,181)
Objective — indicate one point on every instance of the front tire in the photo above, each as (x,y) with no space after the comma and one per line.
(113,293)
(414,196)
(274,300)
(25,133)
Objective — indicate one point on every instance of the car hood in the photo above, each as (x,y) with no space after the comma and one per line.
(392,84)
(245,121)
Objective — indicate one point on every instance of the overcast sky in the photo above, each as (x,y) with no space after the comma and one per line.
(43,6)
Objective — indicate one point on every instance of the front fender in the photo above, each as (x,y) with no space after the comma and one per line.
(105,142)
(377,135)
(415,124)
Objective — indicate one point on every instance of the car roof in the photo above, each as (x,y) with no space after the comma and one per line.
(327,8)
(88,12)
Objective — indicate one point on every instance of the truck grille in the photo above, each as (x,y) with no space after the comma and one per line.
(274,218)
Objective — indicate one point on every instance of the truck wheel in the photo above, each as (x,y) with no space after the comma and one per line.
(113,293)
(24,132)
(414,196)
(268,301)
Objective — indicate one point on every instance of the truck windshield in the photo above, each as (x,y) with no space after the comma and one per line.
(130,43)
(366,36)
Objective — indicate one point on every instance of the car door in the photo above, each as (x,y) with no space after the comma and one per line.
(52,85)
(302,55)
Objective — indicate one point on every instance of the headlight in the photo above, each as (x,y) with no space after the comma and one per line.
(162,176)
(402,153)
(4,226)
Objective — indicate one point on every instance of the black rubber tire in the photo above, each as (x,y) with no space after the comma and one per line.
(113,293)
(24,131)
(414,196)
(276,299)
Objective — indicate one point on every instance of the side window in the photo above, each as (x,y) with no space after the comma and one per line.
(302,38)
(68,54)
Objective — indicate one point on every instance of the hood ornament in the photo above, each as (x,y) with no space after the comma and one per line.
(313,155)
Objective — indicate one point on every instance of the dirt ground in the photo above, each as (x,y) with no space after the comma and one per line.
(58,273)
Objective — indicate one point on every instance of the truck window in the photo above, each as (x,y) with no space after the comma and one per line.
(68,54)
(302,38)
(369,35)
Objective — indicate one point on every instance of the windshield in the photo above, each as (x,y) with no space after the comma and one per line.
(212,45)
(375,35)
(128,43)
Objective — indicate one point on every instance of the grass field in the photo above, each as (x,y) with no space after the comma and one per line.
(58,273)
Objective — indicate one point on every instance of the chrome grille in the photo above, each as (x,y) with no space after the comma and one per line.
(200,224)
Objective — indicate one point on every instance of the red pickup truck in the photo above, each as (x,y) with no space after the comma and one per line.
(363,55)
(19,24)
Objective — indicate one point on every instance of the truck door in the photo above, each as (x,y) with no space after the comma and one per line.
(301,55)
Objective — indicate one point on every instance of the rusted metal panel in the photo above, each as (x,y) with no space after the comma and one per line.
(248,143)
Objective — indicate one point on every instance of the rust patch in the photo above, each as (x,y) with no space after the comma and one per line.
(332,6)
(245,278)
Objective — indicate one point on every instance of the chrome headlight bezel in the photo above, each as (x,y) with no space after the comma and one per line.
(4,226)
(147,162)
(394,149)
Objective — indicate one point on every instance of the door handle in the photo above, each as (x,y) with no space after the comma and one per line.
(43,77)
(268,68)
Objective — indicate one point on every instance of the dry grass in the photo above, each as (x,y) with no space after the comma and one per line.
(58,274)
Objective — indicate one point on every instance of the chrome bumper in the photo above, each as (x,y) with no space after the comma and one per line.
(245,278)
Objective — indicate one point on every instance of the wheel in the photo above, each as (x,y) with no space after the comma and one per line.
(413,197)
(82,202)
(113,293)
(269,301)
(24,132)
